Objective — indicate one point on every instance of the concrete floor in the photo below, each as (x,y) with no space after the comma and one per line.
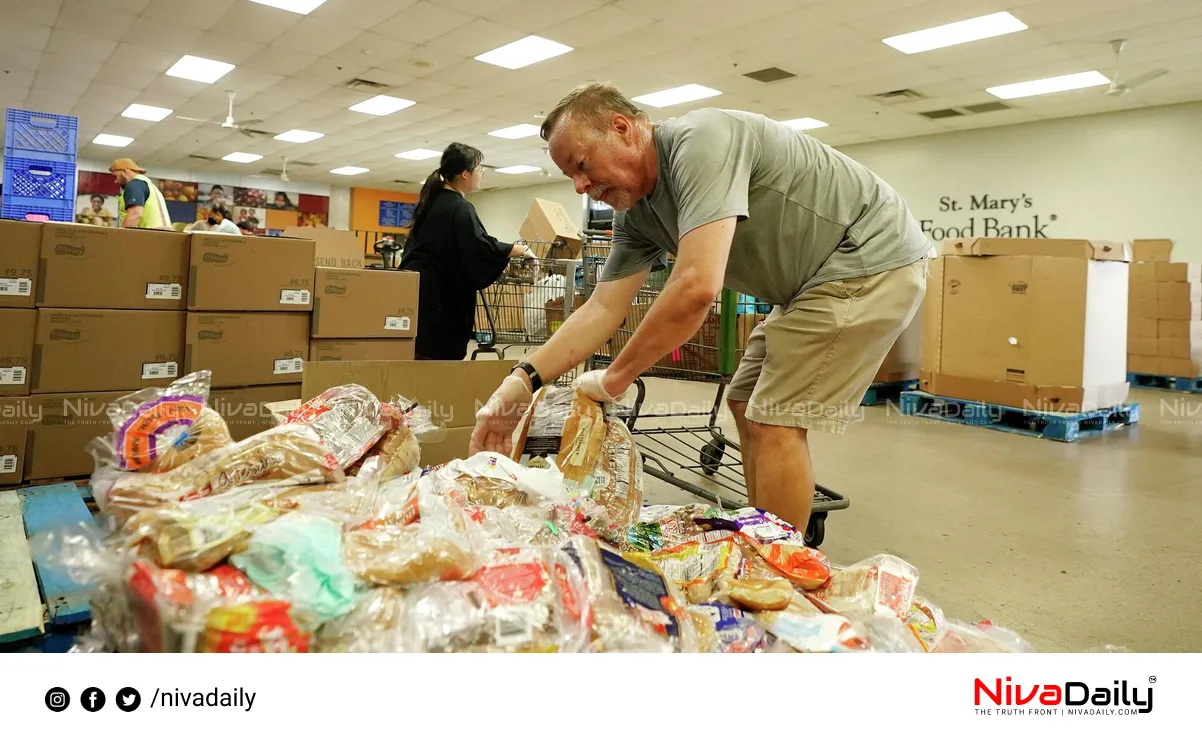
(1073,545)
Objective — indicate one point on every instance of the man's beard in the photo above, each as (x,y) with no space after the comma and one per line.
(618,198)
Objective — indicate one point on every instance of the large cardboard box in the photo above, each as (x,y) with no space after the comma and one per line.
(106,268)
(1178,291)
(1181,308)
(361,349)
(549,222)
(1180,329)
(364,303)
(1186,368)
(454,446)
(452,390)
(904,360)
(101,350)
(1143,273)
(245,408)
(1144,291)
(1143,347)
(506,306)
(229,273)
(332,248)
(16,350)
(1176,348)
(1179,271)
(1098,250)
(14,427)
(1144,309)
(61,429)
(1142,327)
(247,348)
(1143,364)
(1151,250)
(986,334)
(20,243)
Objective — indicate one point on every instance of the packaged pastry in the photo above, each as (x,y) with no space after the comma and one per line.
(614,629)
(348,418)
(699,569)
(758,524)
(169,607)
(880,585)
(925,621)
(806,567)
(659,527)
(197,535)
(373,626)
(617,482)
(759,594)
(565,423)
(982,637)
(650,597)
(260,626)
(725,629)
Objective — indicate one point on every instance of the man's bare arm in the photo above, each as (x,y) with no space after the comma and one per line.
(133,216)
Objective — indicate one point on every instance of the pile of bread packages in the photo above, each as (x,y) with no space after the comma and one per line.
(323,535)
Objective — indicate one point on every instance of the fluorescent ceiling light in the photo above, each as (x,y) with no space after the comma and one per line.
(960,32)
(518,169)
(381,105)
(804,123)
(304,7)
(112,140)
(199,69)
(145,113)
(1076,81)
(674,96)
(349,170)
(524,52)
(242,157)
(515,132)
(298,135)
(418,154)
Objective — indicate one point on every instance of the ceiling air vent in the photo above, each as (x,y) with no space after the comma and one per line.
(942,113)
(899,96)
(205,158)
(990,107)
(769,75)
(366,85)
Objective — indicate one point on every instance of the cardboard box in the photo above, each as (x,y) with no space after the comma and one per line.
(452,390)
(1179,329)
(101,350)
(16,350)
(1143,273)
(1151,250)
(248,348)
(1142,327)
(1175,348)
(1178,291)
(229,273)
(1144,309)
(986,335)
(14,427)
(555,314)
(548,222)
(1179,272)
(107,268)
(20,243)
(62,427)
(506,306)
(332,248)
(454,446)
(1143,364)
(363,303)
(1179,309)
(699,354)
(1185,368)
(245,408)
(1144,291)
(1143,347)
(359,349)
(1098,250)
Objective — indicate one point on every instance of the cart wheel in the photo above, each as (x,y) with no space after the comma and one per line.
(816,530)
(711,456)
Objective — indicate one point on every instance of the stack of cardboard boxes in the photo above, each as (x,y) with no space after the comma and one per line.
(20,243)
(360,314)
(1165,313)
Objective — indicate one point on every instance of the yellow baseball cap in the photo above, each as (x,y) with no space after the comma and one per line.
(124,163)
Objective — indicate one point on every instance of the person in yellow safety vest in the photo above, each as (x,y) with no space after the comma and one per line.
(140,204)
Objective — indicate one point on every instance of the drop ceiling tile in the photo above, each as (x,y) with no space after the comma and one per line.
(261,24)
(1048,12)
(68,68)
(205,18)
(467,72)
(1102,27)
(80,46)
(327,71)
(280,61)
(48,100)
(371,49)
(422,61)
(28,11)
(421,90)
(475,38)
(121,74)
(87,18)
(907,16)
(17,35)
(661,9)
(422,22)
(532,16)
(214,45)
(595,26)
(317,36)
(362,14)
(392,79)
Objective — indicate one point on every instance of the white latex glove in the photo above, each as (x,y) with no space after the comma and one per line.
(528,253)
(497,420)
(592,383)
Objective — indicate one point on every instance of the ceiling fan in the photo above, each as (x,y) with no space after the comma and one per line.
(229,122)
(1122,87)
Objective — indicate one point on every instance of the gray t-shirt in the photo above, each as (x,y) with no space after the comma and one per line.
(807,214)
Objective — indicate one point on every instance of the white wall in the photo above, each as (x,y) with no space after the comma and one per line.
(1119,176)
(502,211)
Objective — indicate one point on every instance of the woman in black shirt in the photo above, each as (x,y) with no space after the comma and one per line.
(448,246)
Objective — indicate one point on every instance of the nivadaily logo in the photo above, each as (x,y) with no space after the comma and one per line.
(1072,697)
(215,257)
(75,250)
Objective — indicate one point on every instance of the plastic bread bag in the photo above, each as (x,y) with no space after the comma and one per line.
(760,525)
(418,419)
(982,637)
(158,429)
(700,569)
(805,567)
(489,479)
(617,485)
(565,423)
(614,628)
(760,594)
(290,454)
(660,527)
(926,622)
(348,418)
(725,629)
(880,585)
(168,608)
(257,626)
(374,625)
(650,597)
(394,503)
(348,502)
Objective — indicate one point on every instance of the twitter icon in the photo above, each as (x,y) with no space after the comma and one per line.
(128,699)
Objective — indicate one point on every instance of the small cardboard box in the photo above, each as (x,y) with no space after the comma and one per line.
(546,223)
(451,390)
(1151,250)
(507,304)
(101,350)
(1175,348)
(1142,327)
(1180,308)
(364,303)
(1179,272)
(16,350)
(1143,273)
(1183,329)
(454,446)
(1143,347)
(14,427)
(229,273)
(1145,309)
(1144,291)
(361,349)
(61,429)
(332,248)
(1098,250)
(1178,291)
(246,349)
(1143,364)
(245,408)
(106,268)
(1184,368)
(20,243)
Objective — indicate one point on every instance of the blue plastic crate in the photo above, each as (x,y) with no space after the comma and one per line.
(37,210)
(39,179)
(34,134)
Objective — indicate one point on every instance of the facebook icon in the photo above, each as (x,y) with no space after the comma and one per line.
(92,699)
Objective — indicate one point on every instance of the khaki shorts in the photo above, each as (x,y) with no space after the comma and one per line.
(809,364)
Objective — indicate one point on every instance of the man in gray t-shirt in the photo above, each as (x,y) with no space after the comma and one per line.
(744,202)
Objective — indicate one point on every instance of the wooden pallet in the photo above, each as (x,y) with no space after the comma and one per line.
(1056,426)
(1159,382)
(882,392)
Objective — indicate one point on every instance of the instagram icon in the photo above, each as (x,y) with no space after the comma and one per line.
(57,699)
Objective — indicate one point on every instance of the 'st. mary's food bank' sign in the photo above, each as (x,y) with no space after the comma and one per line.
(989,216)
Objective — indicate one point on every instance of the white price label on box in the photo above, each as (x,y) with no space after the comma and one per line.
(12,375)
(164,291)
(8,464)
(392,322)
(163,370)
(289,366)
(16,287)
(294,296)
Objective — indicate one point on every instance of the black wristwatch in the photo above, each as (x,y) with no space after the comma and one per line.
(536,381)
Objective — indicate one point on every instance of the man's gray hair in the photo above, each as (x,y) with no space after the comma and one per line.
(594,103)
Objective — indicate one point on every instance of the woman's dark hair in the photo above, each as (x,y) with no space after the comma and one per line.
(456,159)
(287,201)
(220,211)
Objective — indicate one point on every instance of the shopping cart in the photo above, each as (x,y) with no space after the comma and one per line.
(688,449)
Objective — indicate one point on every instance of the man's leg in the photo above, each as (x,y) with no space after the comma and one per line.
(738,410)
(781,458)
(739,391)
